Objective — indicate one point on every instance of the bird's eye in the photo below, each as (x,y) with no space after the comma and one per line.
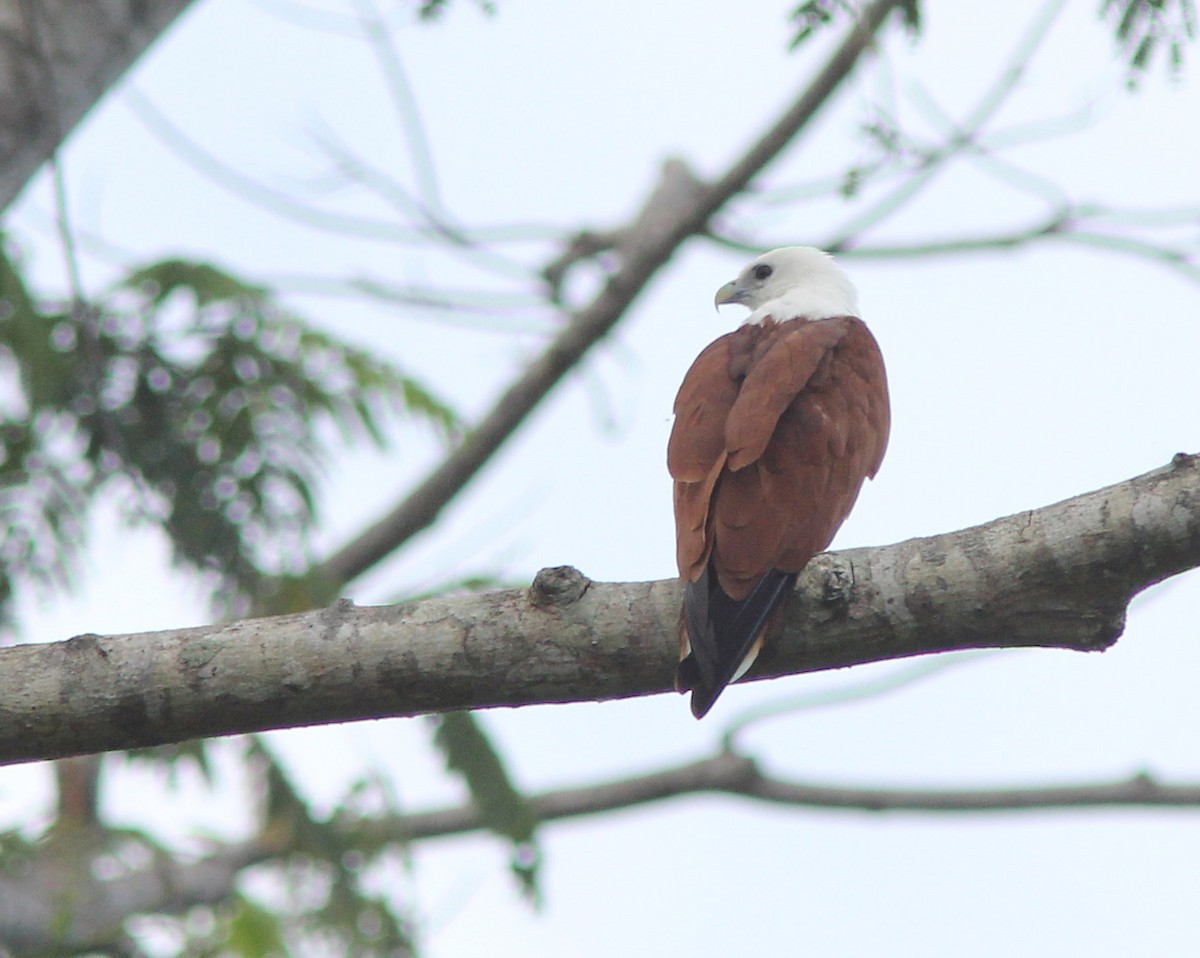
(762,271)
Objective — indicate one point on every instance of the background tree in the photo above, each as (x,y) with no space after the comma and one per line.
(315,874)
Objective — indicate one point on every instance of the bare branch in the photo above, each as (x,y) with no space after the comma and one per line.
(30,914)
(873,688)
(934,162)
(421,507)
(1058,577)
(733,774)
(1066,227)
(265,197)
(405,105)
(1081,225)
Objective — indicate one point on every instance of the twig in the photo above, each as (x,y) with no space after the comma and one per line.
(1064,225)
(934,162)
(407,111)
(434,223)
(263,196)
(895,681)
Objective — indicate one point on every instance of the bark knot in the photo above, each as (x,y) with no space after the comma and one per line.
(837,579)
(559,586)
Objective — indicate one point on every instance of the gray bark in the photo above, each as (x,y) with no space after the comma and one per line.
(57,59)
(1057,577)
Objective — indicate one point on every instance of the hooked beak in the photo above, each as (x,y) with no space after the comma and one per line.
(731,292)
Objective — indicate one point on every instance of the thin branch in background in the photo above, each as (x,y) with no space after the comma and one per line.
(1070,225)
(66,234)
(408,114)
(1045,129)
(463,242)
(263,196)
(174,886)
(1177,260)
(350,167)
(818,188)
(932,164)
(896,162)
(895,680)
(486,310)
(737,775)
(879,172)
(1018,64)
(1182,216)
(1018,177)
(407,110)
(1081,224)
(432,220)
(983,153)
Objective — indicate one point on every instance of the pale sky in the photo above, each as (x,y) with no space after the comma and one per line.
(1018,379)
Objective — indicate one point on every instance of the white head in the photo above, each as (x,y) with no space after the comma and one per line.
(790,282)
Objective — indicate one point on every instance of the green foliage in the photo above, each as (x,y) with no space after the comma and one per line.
(813,16)
(320,888)
(430,10)
(253,931)
(502,809)
(195,397)
(176,756)
(16,850)
(1143,27)
(41,502)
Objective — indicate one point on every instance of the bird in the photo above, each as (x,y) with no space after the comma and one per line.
(777,424)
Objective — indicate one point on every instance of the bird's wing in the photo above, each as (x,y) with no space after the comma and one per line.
(696,450)
(757,495)
(782,437)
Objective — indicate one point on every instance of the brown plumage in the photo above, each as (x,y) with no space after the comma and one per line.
(777,424)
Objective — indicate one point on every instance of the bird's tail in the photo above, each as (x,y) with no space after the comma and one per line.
(725,634)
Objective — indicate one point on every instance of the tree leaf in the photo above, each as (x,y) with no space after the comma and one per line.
(1142,26)
(254,932)
(502,808)
(198,400)
(157,281)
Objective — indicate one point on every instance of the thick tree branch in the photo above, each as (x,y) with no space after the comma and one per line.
(57,58)
(1058,577)
(587,326)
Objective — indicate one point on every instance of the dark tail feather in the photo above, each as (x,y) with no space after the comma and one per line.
(722,631)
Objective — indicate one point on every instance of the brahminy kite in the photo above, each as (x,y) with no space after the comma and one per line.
(777,424)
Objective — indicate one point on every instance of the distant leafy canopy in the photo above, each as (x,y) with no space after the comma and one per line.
(1143,27)
(327,893)
(194,397)
(812,16)
(433,9)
